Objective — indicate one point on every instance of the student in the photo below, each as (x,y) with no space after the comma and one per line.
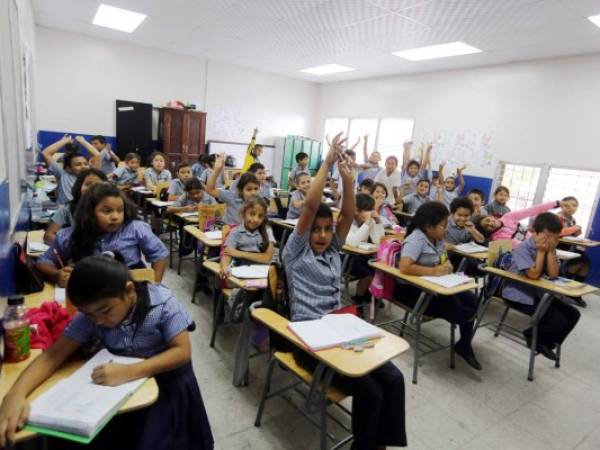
(371,167)
(498,206)
(128,318)
(74,163)
(253,152)
(246,188)
(108,159)
(198,166)
(301,167)
(477,198)
(366,186)
(449,191)
(313,270)
(130,174)
(391,178)
(156,172)
(424,253)
(535,258)
(367,227)
(105,221)
(63,217)
(177,186)
(194,195)
(411,202)
(261,175)
(577,268)
(296,201)
(209,162)
(412,170)
(460,228)
(509,225)
(388,218)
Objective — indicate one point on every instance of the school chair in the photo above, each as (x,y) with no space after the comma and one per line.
(143,274)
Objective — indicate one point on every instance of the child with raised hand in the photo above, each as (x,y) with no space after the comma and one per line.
(535,258)
(509,225)
(477,197)
(371,166)
(74,163)
(128,318)
(258,169)
(247,186)
(108,158)
(177,186)
(130,174)
(449,191)
(253,152)
(424,253)
(209,162)
(296,201)
(411,202)
(157,170)
(413,170)
(312,264)
(63,217)
(498,207)
(385,212)
(193,196)
(105,221)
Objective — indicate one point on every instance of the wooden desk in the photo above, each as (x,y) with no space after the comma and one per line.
(577,242)
(201,237)
(477,256)
(145,396)
(215,268)
(345,362)
(359,251)
(208,246)
(287,229)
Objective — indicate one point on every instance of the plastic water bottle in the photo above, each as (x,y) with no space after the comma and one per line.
(35,207)
(16,330)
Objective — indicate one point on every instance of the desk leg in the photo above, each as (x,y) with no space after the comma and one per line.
(242,351)
(283,240)
(416,319)
(180,251)
(345,264)
(535,319)
(462,265)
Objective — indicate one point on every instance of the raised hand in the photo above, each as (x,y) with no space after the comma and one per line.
(220,161)
(346,171)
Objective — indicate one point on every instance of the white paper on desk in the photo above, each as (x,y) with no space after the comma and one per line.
(333,330)
(565,255)
(77,405)
(141,189)
(575,239)
(189,214)
(213,235)
(564,282)
(37,247)
(290,221)
(367,246)
(449,281)
(161,204)
(471,247)
(60,294)
(251,272)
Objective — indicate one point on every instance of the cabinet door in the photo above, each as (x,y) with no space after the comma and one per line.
(288,152)
(194,129)
(173,131)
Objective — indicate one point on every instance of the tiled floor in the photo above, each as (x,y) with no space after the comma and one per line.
(496,408)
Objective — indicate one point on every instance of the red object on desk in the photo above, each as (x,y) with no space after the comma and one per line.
(47,324)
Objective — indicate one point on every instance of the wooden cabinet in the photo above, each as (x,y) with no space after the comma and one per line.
(182,134)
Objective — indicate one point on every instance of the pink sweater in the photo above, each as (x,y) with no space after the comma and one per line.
(510,221)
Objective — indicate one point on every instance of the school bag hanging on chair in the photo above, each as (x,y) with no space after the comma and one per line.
(383,284)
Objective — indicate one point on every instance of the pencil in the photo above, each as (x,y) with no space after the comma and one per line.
(62,266)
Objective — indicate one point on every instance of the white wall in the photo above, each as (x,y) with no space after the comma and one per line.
(539,112)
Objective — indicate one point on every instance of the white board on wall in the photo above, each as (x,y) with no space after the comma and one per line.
(472,148)
(238,151)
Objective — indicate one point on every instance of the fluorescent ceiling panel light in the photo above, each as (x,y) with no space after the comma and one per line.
(437,51)
(117,18)
(595,20)
(327,69)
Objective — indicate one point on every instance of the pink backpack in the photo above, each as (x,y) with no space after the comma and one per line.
(382,285)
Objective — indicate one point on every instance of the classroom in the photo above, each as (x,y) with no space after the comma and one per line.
(299,224)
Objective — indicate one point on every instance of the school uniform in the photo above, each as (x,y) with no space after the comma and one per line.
(296,172)
(151,175)
(62,216)
(456,235)
(265,188)
(178,418)
(234,203)
(371,172)
(412,202)
(124,175)
(365,232)
(197,169)
(560,318)
(184,200)
(176,187)
(495,209)
(293,212)
(205,176)
(407,178)
(459,309)
(108,166)
(570,228)
(390,181)
(447,196)
(240,238)
(65,180)
(131,240)
(314,290)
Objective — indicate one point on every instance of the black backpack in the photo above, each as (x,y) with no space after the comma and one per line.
(28,277)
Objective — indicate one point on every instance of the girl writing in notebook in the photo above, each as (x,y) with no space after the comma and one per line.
(312,264)
(128,318)
(105,221)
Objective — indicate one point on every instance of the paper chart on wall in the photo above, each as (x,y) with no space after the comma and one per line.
(460,147)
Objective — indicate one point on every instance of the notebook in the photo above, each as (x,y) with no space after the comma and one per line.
(565,255)
(450,280)
(333,330)
(217,234)
(471,247)
(250,272)
(60,294)
(77,409)
(161,204)
(141,189)
(37,247)
(290,221)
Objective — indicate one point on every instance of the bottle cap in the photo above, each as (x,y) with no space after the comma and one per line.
(15,300)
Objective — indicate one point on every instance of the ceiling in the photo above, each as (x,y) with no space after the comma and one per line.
(284,36)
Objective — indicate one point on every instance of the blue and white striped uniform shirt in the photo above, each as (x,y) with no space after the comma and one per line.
(293,212)
(124,175)
(65,180)
(165,320)
(108,165)
(184,200)
(151,175)
(62,216)
(176,187)
(234,203)
(205,176)
(413,201)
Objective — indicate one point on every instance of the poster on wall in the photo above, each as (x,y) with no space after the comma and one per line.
(224,125)
(472,148)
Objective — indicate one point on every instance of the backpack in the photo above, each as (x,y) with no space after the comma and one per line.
(28,278)
(494,283)
(382,285)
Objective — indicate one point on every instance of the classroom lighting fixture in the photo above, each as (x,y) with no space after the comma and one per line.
(117,18)
(437,51)
(595,20)
(327,69)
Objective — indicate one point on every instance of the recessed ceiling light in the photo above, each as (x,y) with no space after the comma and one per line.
(595,20)
(437,51)
(327,69)
(117,18)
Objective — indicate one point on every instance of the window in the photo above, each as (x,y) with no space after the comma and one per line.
(582,184)
(358,129)
(333,127)
(392,134)
(522,182)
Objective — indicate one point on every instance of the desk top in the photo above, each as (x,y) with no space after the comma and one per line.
(281,223)
(186,219)
(421,283)
(201,237)
(215,268)
(345,362)
(481,256)
(546,285)
(574,241)
(159,203)
(359,251)
(143,397)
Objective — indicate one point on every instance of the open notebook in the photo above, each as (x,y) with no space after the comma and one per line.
(566,255)
(450,280)
(471,247)
(333,330)
(250,272)
(77,409)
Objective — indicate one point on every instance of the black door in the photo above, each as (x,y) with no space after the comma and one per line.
(134,129)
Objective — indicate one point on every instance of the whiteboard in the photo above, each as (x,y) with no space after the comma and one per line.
(472,148)
(238,151)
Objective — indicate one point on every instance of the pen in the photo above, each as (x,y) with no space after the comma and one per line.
(62,266)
